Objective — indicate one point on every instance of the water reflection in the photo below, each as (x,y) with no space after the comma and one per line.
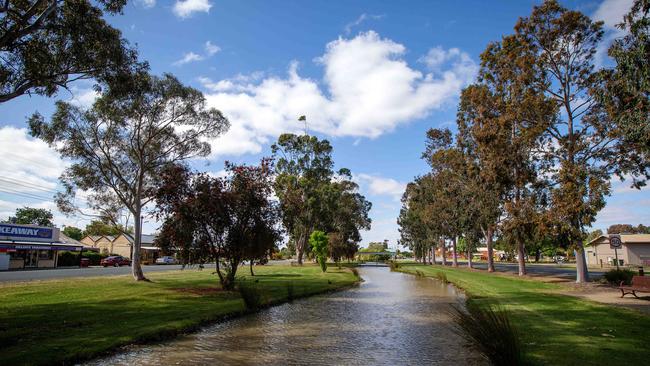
(390,319)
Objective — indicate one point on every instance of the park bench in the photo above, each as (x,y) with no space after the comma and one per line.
(639,284)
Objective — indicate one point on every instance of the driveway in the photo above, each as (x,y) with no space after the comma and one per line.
(47,274)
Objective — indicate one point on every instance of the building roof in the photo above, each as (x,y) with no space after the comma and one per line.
(627,239)
(144,238)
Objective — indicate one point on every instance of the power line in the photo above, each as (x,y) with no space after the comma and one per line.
(27,185)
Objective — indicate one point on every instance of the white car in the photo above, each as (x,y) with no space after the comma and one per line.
(166,260)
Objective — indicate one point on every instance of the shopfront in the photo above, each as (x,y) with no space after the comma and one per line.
(30,247)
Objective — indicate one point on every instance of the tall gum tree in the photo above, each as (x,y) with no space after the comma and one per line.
(582,147)
(48,44)
(119,146)
(304,169)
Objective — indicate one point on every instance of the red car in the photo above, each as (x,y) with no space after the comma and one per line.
(115,261)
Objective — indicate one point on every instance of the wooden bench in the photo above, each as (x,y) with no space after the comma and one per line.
(639,284)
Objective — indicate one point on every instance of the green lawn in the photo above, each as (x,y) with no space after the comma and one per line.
(557,329)
(61,321)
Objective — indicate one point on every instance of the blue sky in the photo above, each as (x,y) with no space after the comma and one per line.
(371,76)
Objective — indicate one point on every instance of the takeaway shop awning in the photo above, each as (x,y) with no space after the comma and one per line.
(25,245)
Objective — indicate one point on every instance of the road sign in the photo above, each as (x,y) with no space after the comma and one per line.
(615,241)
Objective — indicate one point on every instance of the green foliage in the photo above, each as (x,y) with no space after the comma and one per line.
(625,89)
(67,259)
(32,216)
(319,244)
(393,265)
(46,45)
(73,232)
(442,276)
(615,276)
(99,228)
(251,295)
(628,229)
(490,328)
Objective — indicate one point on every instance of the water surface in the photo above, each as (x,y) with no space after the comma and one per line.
(390,319)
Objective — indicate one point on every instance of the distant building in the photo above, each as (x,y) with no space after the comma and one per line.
(30,246)
(635,250)
(122,244)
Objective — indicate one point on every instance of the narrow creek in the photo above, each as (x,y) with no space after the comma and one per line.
(390,319)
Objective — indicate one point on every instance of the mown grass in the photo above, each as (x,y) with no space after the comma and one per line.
(555,329)
(63,321)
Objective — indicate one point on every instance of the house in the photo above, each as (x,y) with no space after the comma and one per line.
(634,251)
(102,243)
(121,245)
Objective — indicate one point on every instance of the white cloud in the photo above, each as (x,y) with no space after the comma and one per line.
(83,97)
(362,18)
(368,89)
(211,49)
(611,12)
(187,58)
(147,4)
(185,8)
(381,186)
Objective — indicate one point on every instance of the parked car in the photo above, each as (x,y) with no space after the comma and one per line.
(115,261)
(166,260)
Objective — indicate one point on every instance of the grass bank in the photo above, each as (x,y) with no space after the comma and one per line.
(556,329)
(62,321)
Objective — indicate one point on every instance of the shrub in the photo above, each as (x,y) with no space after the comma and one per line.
(393,265)
(251,295)
(355,272)
(68,259)
(319,245)
(442,276)
(489,327)
(419,273)
(615,276)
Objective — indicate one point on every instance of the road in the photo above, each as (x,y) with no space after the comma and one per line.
(564,271)
(46,274)
(541,269)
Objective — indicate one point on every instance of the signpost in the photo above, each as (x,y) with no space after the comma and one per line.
(615,243)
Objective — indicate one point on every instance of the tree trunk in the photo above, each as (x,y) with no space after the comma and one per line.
(444,252)
(251,267)
(300,248)
(490,249)
(582,272)
(521,258)
(454,253)
(136,267)
(469,256)
(433,254)
(538,254)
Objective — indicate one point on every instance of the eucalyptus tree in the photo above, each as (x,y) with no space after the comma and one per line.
(626,90)
(582,147)
(452,201)
(119,146)
(501,121)
(414,222)
(348,214)
(47,44)
(304,170)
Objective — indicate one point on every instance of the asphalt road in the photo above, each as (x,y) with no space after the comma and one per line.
(46,274)
(555,270)
(541,269)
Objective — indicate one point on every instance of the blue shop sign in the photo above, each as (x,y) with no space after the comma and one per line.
(19,231)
